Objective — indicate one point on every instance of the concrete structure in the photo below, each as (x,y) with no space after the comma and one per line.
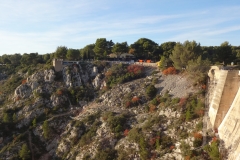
(127,55)
(57,64)
(60,63)
(224,110)
(229,129)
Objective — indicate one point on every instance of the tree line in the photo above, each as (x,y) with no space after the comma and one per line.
(169,52)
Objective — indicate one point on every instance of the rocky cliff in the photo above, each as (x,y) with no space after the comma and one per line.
(83,112)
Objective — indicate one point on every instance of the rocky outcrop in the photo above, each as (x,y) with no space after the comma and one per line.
(49,75)
(71,76)
(32,83)
(58,100)
(23,91)
(75,75)
(94,71)
(97,82)
(29,112)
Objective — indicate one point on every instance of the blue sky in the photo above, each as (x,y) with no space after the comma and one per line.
(40,26)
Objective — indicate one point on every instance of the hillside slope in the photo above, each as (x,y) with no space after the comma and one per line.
(78,114)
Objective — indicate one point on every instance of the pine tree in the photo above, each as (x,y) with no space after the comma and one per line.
(6,118)
(14,118)
(24,153)
(45,129)
(34,122)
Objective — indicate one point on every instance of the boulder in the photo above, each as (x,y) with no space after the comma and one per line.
(94,71)
(97,81)
(58,100)
(49,75)
(22,91)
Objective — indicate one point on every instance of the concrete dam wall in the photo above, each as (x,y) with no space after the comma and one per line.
(224,109)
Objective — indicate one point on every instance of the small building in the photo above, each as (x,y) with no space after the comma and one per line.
(127,56)
(113,55)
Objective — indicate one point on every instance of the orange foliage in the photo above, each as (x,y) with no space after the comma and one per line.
(214,139)
(187,158)
(105,88)
(170,70)
(128,104)
(126,132)
(153,156)
(197,135)
(204,86)
(182,101)
(135,99)
(152,141)
(200,112)
(135,69)
(104,118)
(18,98)
(131,51)
(108,73)
(152,108)
(59,92)
(172,147)
(24,81)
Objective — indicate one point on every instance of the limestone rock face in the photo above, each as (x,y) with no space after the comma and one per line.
(33,83)
(97,81)
(94,71)
(29,113)
(49,75)
(37,77)
(58,100)
(23,91)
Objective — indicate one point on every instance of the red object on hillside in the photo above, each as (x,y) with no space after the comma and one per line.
(170,70)
(136,69)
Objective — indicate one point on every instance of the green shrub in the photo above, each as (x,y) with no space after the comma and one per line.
(185,149)
(154,101)
(213,151)
(197,142)
(199,126)
(134,134)
(46,129)
(175,100)
(24,153)
(106,154)
(151,91)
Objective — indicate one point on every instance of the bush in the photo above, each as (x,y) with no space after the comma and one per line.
(170,70)
(134,134)
(154,101)
(121,73)
(151,91)
(46,129)
(175,100)
(116,123)
(213,151)
(106,154)
(199,126)
(135,69)
(24,153)
(125,133)
(135,100)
